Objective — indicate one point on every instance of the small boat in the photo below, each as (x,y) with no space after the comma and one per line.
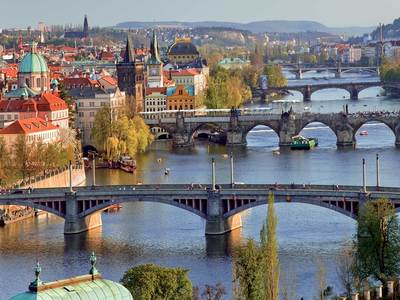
(364,132)
(166,171)
(127,164)
(225,155)
(276,152)
(302,143)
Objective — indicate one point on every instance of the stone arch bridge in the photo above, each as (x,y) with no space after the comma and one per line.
(308,89)
(236,124)
(220,208)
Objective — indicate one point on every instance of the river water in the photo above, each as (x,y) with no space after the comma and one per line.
(140,233)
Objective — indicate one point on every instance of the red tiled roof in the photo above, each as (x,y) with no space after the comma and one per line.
(51,102)
(46,102)
(27,126)
(161,90)
(185,72)
(10,72)
(109,79)
(79,81)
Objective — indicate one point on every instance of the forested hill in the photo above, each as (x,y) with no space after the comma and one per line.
(389,30)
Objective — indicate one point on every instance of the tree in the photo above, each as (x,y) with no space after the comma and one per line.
(148,282)
(269,250)
(247,273)
(276,78)
(101,130)
(377,241)
(345,270)
(6,169)
(24,151)
(210,292)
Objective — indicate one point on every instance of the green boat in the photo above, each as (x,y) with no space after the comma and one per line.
(302,143)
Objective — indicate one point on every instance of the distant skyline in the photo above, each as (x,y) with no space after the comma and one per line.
(338,13)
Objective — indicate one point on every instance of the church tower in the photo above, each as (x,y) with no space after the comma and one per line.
(131,78)
(85,27)
(154,65)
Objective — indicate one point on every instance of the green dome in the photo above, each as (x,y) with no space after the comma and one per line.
(100,289)
(33,63)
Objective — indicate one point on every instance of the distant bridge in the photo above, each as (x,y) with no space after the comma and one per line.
(236,124)
(220,205)
(307,88)
(338,70)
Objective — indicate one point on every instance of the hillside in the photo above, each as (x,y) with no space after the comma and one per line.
(389,31)
(279,26)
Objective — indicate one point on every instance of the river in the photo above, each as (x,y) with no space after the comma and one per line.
(309,236)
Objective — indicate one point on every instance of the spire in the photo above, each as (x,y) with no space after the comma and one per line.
(37,282)
(154,48)
(85,27)
(34,47)
(129,55)
(93,271)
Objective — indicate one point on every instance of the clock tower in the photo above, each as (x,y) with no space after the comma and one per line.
(154,65)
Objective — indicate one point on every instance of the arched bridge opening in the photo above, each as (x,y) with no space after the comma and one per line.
(330,93)
(262,135)
(325,135)
(209,131)
(371,92)
(374,134)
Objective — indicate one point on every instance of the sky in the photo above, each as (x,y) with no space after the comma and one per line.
(333,13)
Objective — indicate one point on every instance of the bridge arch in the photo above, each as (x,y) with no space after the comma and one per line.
(205,126)
(250,205)
(318,125)
(197,209)
(372,133)
(315,90)
(270,131)
(363,89)
(47,207)
(268,125)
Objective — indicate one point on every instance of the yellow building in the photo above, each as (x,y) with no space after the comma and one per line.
(180,97)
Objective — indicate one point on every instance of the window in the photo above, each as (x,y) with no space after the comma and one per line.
(81,114)
(91,104)
(38,82)
(81,104)
(91,114)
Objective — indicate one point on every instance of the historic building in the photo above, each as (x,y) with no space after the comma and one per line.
(79,34)
(89,101)
(33,71)
(183,51)
(32,129)
(190,77)
(154,65)
(24,103)
(89,286)
(130,74)
(180,97)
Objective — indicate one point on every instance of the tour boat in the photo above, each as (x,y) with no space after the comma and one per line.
(302,143)
(364,132)
(127,164)
(166,171)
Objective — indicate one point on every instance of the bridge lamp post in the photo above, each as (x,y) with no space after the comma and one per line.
(378,176)
(213,174)
(93,166)
(364,176)
(232,175)
(70,176)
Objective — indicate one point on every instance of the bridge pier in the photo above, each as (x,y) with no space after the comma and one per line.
(307,94)
(216,223)
(183,139)
(397,134)
(354,94)
(338,74)
(345,138)
(73,223)
(299,74)
(235,138)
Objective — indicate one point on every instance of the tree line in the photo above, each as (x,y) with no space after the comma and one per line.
(24,159)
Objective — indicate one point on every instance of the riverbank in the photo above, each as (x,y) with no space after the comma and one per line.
(13,213)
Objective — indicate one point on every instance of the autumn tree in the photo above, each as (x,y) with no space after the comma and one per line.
(276,78)
(6,168)
(149,282)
